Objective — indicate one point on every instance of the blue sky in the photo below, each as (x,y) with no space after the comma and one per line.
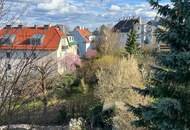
(88,13)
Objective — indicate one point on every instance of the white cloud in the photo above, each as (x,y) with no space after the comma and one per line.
(57,7)
(150,13)
(53,4)
(114,8)
(81,12)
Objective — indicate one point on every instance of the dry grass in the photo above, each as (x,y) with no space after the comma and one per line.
(115,78)
(116,75)
(149,48)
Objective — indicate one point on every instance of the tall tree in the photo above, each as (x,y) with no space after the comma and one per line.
(170,86)
(106,41)
(131,46)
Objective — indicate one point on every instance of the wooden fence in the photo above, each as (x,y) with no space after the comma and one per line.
(163,47)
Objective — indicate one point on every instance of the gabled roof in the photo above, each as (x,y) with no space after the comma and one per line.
(85,33)
(52,36)
(126,25)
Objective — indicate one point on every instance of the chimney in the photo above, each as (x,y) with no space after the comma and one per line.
(140,20)
(35,26)
(61,28)
(20,26)
(81,27)
(8,26)
(47,26)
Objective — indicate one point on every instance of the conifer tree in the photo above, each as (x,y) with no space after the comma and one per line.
(131,46)
(170,86)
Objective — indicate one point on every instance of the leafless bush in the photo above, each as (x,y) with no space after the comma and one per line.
(14,81)
(115,78)
(43,79)
(107,41)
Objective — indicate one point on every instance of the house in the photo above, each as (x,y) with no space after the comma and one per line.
(71,42)
(151,39)
(42,43)
(125,25)
(84,39)
(150,31)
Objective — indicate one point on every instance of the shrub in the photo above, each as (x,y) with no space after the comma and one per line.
(71,61)
(115,78)
(116,75)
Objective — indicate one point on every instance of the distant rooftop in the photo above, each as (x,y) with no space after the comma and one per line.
(126,25)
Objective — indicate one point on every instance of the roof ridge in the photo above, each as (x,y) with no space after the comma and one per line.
(54,27)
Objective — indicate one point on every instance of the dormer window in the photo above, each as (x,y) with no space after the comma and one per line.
(7,39)
(37,39)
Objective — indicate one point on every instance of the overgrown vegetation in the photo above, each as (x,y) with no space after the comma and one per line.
(170,84)
(115,78)
(96,92)
(105,91)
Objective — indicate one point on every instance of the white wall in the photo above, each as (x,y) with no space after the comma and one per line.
(144,33)
(150,35)
(18,56)
(62,50)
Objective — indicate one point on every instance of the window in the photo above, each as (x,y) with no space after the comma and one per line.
(7,39)
(78,51)
(64,48)
(8,54)
(25,55)
(37,39)
(8,66)
(34,55)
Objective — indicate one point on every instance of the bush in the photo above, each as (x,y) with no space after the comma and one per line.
(115,77)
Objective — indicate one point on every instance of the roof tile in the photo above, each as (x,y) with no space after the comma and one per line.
(50,42)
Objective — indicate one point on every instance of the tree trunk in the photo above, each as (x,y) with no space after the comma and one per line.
(44,100)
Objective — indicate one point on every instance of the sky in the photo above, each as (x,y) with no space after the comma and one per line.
(87,13)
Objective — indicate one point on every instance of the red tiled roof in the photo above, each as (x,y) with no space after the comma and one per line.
(85,33)
(50,42)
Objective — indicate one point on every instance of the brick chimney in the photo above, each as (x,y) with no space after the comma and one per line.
(47,26)
(8,26)
(35,26)
(20,26)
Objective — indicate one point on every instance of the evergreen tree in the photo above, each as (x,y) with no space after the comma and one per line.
(170,86)
(131,46)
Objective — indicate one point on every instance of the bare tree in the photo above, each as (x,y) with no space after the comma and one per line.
(14,81)
(16,70)
(45,74)
(107,41)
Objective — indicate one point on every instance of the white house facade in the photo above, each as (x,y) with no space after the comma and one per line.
(145,31)
(41,44)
